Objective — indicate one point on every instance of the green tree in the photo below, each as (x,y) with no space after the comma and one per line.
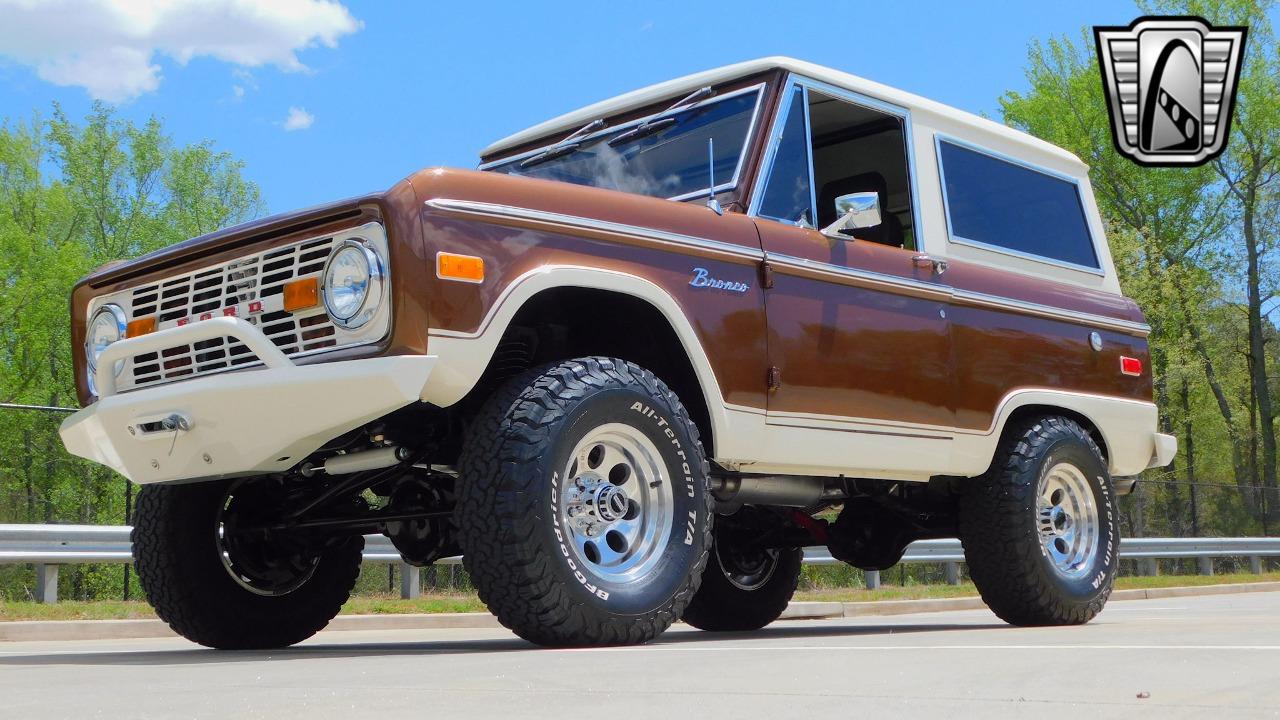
(1172,233)
(1250,171)
(73,196)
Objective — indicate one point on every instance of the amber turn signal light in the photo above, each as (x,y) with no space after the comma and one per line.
(301,294)
(140,327)
(464,268)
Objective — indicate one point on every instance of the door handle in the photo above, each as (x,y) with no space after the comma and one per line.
(922,260)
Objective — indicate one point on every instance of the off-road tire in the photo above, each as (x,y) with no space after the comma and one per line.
(999,528)
(722,606)
(506,512)
(178,560)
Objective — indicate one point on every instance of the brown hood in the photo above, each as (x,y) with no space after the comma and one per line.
(236,236)
(686,218)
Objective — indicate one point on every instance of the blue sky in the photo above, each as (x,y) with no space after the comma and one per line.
(421,84)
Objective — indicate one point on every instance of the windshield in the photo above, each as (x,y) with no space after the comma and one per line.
(670,162)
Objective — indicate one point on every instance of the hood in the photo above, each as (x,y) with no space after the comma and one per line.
(581,202)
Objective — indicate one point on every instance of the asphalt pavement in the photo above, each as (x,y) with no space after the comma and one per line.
(1179,657)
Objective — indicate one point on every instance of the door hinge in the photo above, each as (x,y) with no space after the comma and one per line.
(775,378)
(766,275)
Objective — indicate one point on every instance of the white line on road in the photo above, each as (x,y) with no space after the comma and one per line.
(811,648)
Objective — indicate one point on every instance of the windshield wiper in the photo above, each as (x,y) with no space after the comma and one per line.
(662,120)
(565,146)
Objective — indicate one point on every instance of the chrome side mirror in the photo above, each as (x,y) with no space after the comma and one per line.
(857,211)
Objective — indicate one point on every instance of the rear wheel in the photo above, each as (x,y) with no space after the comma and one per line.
(219,586)
(743,587)
(1039,529)
(583,509)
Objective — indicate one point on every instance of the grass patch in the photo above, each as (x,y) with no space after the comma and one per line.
(118,610)
(76,610)
(433,603)
(1163,581)
(888,592)
(456,602)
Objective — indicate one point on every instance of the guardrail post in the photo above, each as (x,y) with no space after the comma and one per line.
(952,571)
(1149,567)
(46,583)
(410,581)
(1206,565)
(1255,564)
(873,579)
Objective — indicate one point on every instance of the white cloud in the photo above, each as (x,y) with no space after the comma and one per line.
(244,83)
(299,119)
(109,47)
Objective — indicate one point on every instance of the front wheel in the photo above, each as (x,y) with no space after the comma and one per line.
(224,588)
(1039,529)
(583,509)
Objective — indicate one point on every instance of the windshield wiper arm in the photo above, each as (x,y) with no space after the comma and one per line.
(662,120)
(565,146)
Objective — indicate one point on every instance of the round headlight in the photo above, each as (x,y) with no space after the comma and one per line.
(107,326)
(352,284)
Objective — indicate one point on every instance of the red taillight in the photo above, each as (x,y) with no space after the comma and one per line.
(1130,365)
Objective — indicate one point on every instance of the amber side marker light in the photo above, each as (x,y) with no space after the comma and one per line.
(301,294)
(1130,365)
(463,268)
(140,327)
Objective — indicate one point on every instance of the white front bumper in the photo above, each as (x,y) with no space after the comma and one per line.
(240,423)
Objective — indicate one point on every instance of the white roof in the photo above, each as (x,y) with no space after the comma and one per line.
(853,83)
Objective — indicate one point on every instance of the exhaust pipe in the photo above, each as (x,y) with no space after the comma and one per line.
(732,493)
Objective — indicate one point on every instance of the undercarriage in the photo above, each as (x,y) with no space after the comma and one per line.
(382,479)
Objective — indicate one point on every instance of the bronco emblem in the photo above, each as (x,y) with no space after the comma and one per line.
(702,279)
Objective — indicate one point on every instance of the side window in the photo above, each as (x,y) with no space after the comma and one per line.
(788,194)
(830,147)
(861,149)
(1012,207)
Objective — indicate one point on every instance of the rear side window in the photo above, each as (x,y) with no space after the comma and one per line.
(1011,207)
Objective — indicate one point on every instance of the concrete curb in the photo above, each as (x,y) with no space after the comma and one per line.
(1192,591)
(42,630)
(47,630)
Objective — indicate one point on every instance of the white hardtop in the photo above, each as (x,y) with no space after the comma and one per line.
(958,122)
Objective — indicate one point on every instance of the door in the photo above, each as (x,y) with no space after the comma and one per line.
(858,336)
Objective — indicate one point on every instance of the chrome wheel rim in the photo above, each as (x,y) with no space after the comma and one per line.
(1067,520)
(617,503)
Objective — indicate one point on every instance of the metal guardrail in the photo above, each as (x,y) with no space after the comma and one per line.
(49,546)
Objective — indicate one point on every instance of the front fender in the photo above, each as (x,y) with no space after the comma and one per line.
(463,356)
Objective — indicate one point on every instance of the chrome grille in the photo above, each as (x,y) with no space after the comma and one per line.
(250,287)
(213,290)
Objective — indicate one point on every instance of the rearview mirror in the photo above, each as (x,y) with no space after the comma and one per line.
(856,211)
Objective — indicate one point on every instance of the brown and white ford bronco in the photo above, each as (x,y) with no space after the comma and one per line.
(632,367)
